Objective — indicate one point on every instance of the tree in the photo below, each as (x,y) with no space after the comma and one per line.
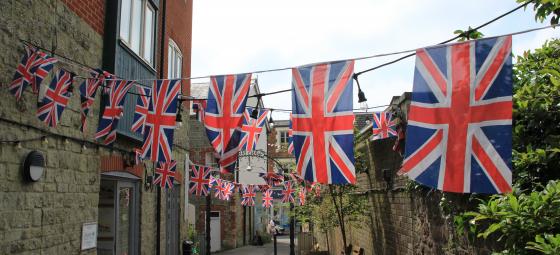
(528,220)
(544,9)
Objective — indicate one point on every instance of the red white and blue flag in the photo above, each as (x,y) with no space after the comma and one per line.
(223,189)
(248,196)
(165,174)
(160,120)
(288,193)
(322,122)
(32,70)
(459,132)
(112,110)
(213,181)
(267,198)
(301,196)
(251,129)
(51,106)
(141,109)
(383,125)
(88,90)
(199,107)
(290,136)
(199,180)
(224,115)
(272,179)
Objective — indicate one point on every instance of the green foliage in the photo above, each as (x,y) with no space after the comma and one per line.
(545,8)
(469,34)
(550,244)
(516,219)
(536,132)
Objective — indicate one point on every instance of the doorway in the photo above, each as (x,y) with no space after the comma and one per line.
(172,221)
(118,216)
(215,231)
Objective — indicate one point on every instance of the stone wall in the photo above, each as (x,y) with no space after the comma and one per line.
(46,216)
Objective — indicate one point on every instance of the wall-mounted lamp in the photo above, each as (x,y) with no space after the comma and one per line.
(34,166)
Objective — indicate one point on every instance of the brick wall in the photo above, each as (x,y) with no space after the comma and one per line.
(91,11)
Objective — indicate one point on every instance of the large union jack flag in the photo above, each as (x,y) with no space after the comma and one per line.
(32,70)
(322,122)
(113,102)
(267,198)
(160,121)
(165,174)
(141,110)
(248,196)
(251,129)
(383,125)
(288,192)
(459,134)
(88,90)
(224,115)
(199,180)
(290,136)
(56,98)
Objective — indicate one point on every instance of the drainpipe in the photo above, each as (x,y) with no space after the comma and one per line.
(161,76)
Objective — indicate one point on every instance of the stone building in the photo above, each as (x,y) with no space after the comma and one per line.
(84,183)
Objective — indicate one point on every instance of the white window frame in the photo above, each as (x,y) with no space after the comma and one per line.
(174,61)
(148,57)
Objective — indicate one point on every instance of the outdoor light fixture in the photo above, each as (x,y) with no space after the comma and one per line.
(34,166)
(249,168)
(270,120)
(361,96)
(179,119)
(368,121)
(255,113)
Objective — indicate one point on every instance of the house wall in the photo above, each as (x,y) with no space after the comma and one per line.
(46,216)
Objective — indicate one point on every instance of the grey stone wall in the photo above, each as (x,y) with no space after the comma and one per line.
(47,216)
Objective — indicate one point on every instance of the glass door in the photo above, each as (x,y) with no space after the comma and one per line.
(118,210)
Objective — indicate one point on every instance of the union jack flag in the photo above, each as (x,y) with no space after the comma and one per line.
(165,174)
(199,107)
(112,110)
(88,89)
(301,195)
(248,197)
(224,115)
(267,198)
(199,180)
(383,125)
(32,70)
(459,128)
(141,110)
(251,129)
(56,98)
(272,179)
(288,193)
(322,122)
(160,121)
(213,181)
(290,136)
(223,189)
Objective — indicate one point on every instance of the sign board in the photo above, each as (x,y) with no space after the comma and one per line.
(89,235)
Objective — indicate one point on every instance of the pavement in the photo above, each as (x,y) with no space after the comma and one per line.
(283,248)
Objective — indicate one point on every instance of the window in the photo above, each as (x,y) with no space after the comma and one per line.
(137,28)
(174,61)
(284,137)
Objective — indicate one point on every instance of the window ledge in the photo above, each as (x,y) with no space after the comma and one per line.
(145,63)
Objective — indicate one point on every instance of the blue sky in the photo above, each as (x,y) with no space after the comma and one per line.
(249,35)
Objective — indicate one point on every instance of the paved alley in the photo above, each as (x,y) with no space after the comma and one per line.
(267,249)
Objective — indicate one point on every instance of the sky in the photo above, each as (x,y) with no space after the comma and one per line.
(249,35)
